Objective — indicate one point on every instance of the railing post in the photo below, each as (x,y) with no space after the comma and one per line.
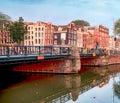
(60,50)
(8,51)
(51,49)
(25,50)
(39,50)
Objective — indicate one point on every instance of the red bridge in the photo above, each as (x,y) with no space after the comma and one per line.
(54,59)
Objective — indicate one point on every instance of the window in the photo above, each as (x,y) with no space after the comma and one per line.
(75,32)
(69,35)
(42,35)
(55,36)
(72,31)
(28,28)
(74,42)
(32,42)
(69,42)
(74,36)
(42,28)
(55,41)
(35,41)
(38,29)
(69,30)
(39,34)
(49,41)
(31,32)
(91,28)
(28,37)
(39,41)
(35,34)
(28,32)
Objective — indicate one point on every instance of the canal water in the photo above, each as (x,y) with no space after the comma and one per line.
(90,85)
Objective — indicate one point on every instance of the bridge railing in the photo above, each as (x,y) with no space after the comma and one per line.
(91,52)
(97,52)
(114,51)
(33,50)
(51,50)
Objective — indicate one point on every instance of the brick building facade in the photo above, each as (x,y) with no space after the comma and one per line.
(99,35)
(39,34)
(65,35)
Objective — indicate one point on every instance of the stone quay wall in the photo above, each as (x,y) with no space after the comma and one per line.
(100,60)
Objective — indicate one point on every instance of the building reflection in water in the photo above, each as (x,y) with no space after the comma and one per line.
(55,88)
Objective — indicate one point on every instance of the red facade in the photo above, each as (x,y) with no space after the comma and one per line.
(65,35)
(96,37)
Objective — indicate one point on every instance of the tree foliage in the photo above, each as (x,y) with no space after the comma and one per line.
(117,27)
(17,30)
(80,23)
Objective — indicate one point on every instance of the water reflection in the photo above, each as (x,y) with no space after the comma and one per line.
(90,85)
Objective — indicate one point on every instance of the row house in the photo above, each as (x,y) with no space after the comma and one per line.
(4,34)
(65,35)
(84,38)
(79,37)
(104,36)
(39,34)
(99,35)
(88,41)
(4,37)
(35,34)
(49,31)
(47,34)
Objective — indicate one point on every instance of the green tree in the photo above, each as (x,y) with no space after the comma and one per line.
(80,23)
(17,31)
(117,28)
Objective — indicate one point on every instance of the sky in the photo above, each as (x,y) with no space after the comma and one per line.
(62,12)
